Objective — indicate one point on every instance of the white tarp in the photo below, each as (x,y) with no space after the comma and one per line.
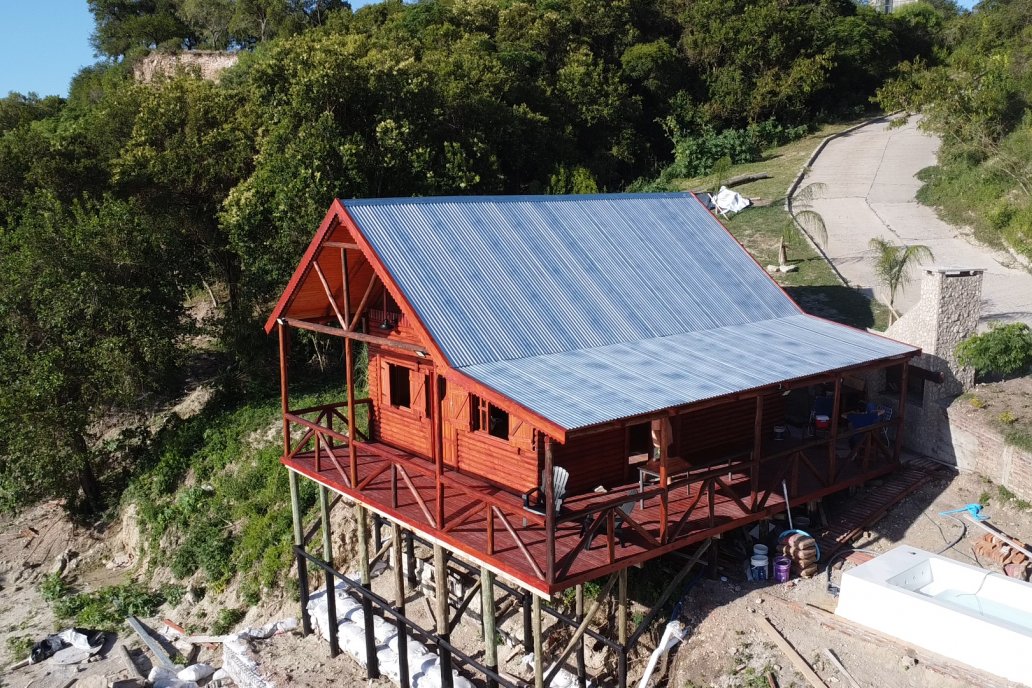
(728,201)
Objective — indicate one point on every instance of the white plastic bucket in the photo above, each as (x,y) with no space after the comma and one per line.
(758,567)
(760,550)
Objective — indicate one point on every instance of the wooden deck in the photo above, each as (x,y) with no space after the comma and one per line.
(489,524)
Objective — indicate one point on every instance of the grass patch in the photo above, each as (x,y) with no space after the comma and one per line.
(814,284)
(226,620)
(105,609)
(19,647)
(1008,496)
(216,498)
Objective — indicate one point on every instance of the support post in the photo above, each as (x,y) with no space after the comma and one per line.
(436,448)
(399,604)
(441,583)
(549,509)
(284,351)
(377,532)
(372,665)
(621,629)
(299,541)
(331,597)
(539,664)
(487,613)
(621,608)
(410,560)
(836,406)
(528,636)
(757,452)
(582,674)
(898,444)
(349,365)
(327,537)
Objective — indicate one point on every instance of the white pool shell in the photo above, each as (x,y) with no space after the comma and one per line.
(973,615)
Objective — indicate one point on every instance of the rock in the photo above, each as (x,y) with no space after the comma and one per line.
(96,681)
(908,661)
(787,268)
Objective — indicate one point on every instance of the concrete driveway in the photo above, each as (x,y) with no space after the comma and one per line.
(871,187)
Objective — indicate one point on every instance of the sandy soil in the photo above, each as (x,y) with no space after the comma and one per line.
(724,646)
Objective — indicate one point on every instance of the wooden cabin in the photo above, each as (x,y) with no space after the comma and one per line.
(626,345)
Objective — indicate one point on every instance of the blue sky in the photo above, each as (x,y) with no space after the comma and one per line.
(46,43)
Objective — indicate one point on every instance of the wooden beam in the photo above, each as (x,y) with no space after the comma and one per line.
(621,608)
(572,643)
(754,472)
(441,586)
(339,244)
(399,604)
(836,410)
(487,614)
(549,485)
(357,336)
(329,295)
(361,525)
(436,445)
(284,348)
(790,652)
(539,666)
(345,283)
(360,311)
(900,414)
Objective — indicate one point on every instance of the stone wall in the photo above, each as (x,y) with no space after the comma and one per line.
(976,446)
(946,314)
(208,64)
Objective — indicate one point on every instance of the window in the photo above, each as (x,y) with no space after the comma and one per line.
(401,393)
(639,439)
(487,417)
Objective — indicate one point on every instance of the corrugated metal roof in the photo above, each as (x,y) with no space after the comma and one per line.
(589,386)
(635,302)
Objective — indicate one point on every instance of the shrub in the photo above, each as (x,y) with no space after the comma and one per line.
(1003,350)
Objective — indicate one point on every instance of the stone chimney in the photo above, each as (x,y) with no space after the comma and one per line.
(947,313)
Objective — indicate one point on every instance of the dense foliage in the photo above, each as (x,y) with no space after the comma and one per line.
(977,99)
(1002,350)
(126,198)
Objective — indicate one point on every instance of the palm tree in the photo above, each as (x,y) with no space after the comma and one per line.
(810,220)
(893,262)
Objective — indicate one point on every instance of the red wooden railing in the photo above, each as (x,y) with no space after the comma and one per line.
(323,430)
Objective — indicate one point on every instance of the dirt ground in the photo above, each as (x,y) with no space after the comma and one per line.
(723,646)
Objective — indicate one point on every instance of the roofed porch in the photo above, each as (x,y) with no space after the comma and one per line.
(594,533)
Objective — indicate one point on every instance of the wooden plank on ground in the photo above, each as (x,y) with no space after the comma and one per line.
(797,660)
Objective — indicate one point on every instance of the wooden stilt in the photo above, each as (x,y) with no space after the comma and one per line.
(324,510)
(621,608)
(410,560)
(331,597)
(487,613)
(372,665)
(582,674)
(441,582)
(299,541)
(399,604)
(579,633)
(539,665)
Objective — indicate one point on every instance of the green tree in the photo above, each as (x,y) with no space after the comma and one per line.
(127,26)
(93,311)
(893,264)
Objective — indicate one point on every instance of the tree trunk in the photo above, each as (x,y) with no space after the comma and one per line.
(87,477)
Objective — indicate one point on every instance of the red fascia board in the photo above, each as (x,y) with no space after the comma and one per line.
(327,226)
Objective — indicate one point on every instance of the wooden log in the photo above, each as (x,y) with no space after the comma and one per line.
(797,660)
(841,668)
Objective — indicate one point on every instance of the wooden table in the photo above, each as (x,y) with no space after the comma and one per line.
(676,468)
